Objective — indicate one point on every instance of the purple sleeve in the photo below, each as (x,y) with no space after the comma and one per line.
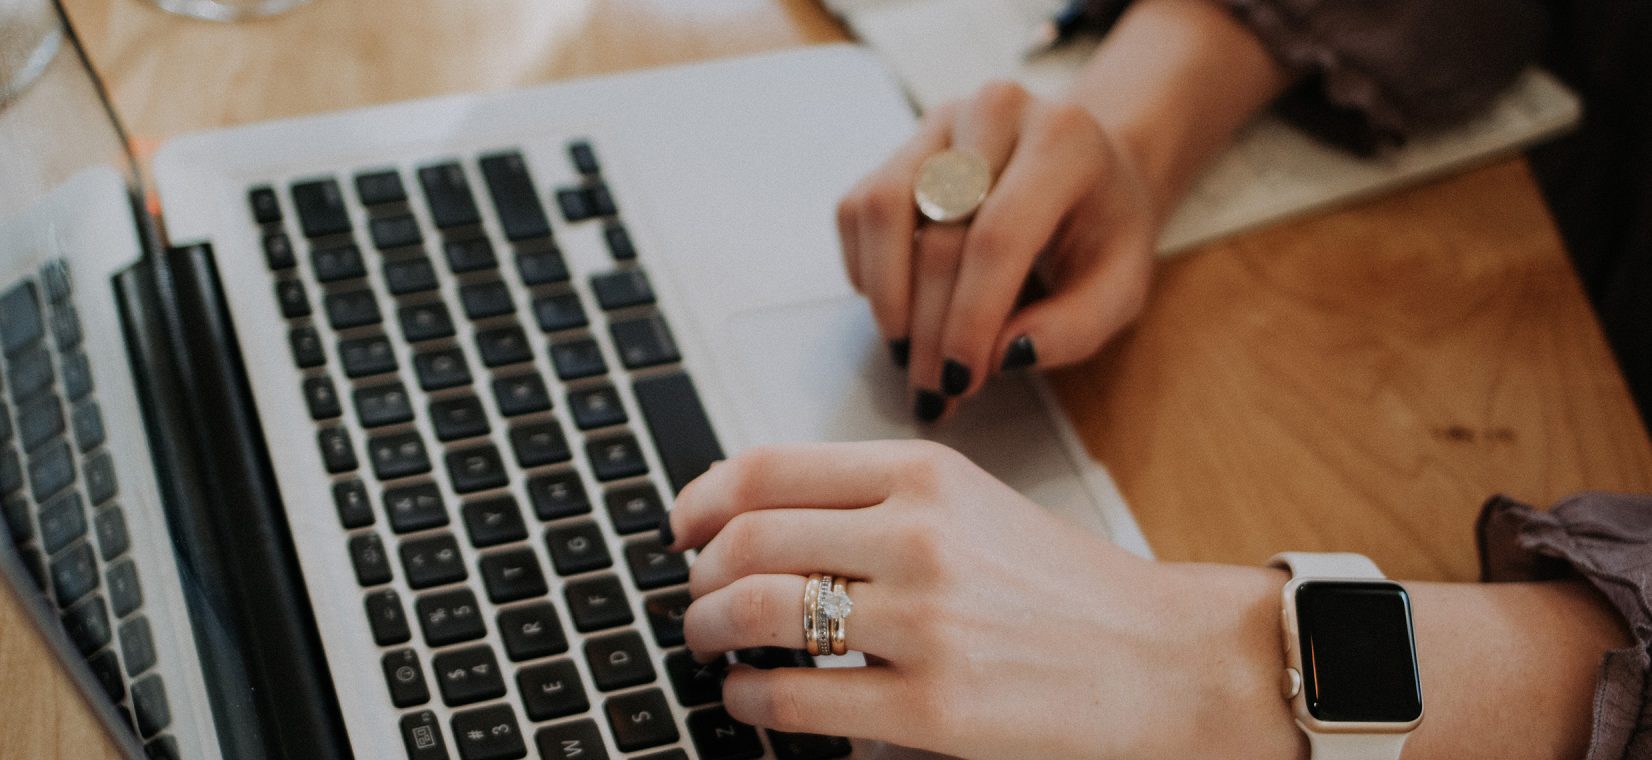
(1606,540)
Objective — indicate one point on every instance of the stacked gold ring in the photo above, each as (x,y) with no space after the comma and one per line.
(825,606)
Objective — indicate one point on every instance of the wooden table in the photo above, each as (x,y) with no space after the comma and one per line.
(1360,380)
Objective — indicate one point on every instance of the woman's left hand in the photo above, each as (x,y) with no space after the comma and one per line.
(992,628)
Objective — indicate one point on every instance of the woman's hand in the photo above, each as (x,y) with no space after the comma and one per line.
(1066,202)
(993,629)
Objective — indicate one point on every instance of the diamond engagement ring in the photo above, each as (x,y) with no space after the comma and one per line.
(825,605)
(951,184)
(835,605)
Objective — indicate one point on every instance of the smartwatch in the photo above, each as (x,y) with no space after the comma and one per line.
(1350,657)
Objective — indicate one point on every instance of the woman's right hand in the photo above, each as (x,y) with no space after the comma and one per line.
(1067,202)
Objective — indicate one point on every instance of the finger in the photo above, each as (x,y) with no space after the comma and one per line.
(934,267)
(1086,310)
(797,541)
(1051,170)
(862,702)
(767,611)
(804,475)
(885,216)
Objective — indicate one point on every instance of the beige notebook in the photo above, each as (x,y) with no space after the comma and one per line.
(945,49)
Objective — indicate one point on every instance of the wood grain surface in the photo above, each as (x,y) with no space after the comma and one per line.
(1360,380)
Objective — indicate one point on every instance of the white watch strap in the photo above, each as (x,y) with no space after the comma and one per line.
(1328,565)
(1355,746)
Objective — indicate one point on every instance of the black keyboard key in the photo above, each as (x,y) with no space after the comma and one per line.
(100,478)
(520,214)
(471,255)
(306,346)
(602,201)
(336,452)
(405,677)
(415,507)
(383,405)
(5,424)
(450,617)
(18,519)
(486,299)
(265,208)
(62,520)
(342,262)
(622,289)
(512,575)
(532,632)
(652,566)
(125,594)
(106,667)
(619,241)
(584,157)
(468,675)
(456,418)
(65,327)
(422,737)
(558,495)
(321,399)
(294,302)
(644,342)
(559,311)
(149,703)
(51,469)
(769,658)
(575,740)
(448,192)
(717,736)
(597,603)
(677,422)
(369,559)
(74,574)
(488,733)
(634,509)
(808,746)
(494,521)
(425,321)
(597,406)
(616,457)
(87,421)
(398,455)
(357,308)
(387,618)
(11,471)
(577,548)
(320,206)
(367,356)
(20,321)
(278,251)
(36,564)
(504,345)
(540,443)
(110,526)
(39,420)
(30,372)
(575,359)
(542,267)
(58,280)
(695,683)
(394,231)
(432,561)
(408,275)
(641,720)
(476,469)
(522,394)
(618,661)
(575,204)
(441,369)
(665,616)
(137,645)
(379,187)
(552,690)
(87,624)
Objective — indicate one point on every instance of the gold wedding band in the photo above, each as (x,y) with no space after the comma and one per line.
(951,184)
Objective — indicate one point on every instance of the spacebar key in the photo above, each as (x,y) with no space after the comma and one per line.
(678,424)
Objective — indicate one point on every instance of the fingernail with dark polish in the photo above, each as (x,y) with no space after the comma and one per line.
(1020,355)
(954,377)
(929,406)
(900,350)
(667,538)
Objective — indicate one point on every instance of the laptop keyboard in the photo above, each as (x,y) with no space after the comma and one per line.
(435,407)
(60,498)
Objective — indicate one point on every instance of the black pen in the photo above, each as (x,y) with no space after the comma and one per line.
(1059,28)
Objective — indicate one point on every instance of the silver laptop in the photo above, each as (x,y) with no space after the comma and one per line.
(360,448)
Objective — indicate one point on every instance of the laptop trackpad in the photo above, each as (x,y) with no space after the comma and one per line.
(819,372)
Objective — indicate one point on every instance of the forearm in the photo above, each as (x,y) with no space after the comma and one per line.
(1172,82)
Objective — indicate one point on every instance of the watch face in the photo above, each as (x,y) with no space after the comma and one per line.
(1359,661)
